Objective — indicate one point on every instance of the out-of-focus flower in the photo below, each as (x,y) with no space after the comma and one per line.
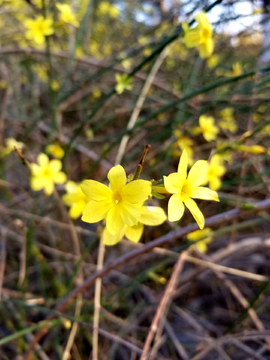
(215,171)
(67,15)
(208,128)
(186,188)
(11,144)
(227,121)
(150,215)
(185,143)
(39,28)
(123,83)
(75,199)
(118,204)
(213,60)
(46,173)
(200,36)
(106,8)
(55,150)
(201,234)
(237,69)
(252,149)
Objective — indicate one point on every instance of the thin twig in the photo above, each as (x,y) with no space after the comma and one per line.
(164,305)
(2,258)
(98,284)
(137,109)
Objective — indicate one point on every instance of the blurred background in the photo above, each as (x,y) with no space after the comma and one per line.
(90,83)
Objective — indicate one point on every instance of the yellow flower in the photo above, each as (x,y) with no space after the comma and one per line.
(215,171)
(74,198)
(149,215)
(228,121)
(187,144)
(66,14)
(208,127)
(184,188)
(46,173)
(55,150)
(108,9)
(38,29)
(200,36)
(123,83)
(11,144)
(236,70)
(201,234)
(213,61)
(118,204)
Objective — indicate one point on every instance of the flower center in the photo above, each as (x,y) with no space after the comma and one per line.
(46,172)
(186,190)
(117,198)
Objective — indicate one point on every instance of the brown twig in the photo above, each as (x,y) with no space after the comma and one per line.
(163,240)
(164,305)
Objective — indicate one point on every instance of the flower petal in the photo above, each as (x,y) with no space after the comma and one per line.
(136,191)
(55,165)
(36,170)
(37,183)
(76,209)
(196,212)
(109,239)
(204,194)
(114,222)
(49,187)
(59,178)
(95,190)
(117,178)
(95,211)
(43,160)
(134,233)
(173,183)
(152,215)
(183,164)
(130,214)
(198,173)
(175,208)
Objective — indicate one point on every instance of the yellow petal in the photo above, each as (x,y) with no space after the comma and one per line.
(37,183)
(42,160)
(175,208)
(71,187)
(136,191)
(95,190)
(35,169)
(152,215)
(207,48)
(202,20)
(76,209)
(197,173)
(59,178)
(134,233)
(55,165)
(130,214)
(183,164)
(49,187)
(214,183)
(95,211)
(114,222)
(204,194)
(109,239)
(195,211)
(117,178)
(192,38)
(173,183)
